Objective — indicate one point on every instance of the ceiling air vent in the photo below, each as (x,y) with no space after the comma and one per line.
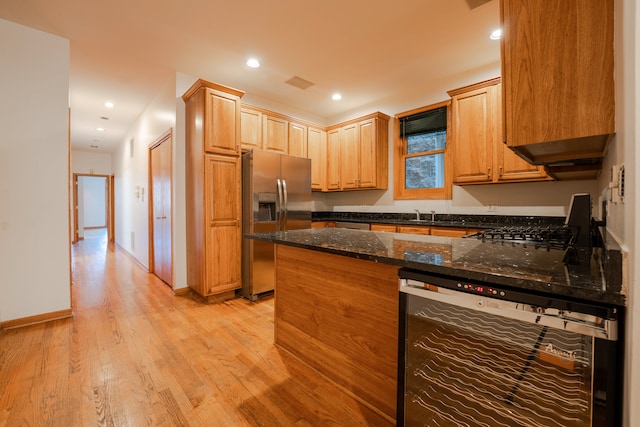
(475,3)
(299,82)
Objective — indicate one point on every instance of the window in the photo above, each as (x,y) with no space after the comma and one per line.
(421,161)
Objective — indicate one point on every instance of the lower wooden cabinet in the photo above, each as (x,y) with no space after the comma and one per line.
(323,224)
(383,227)
(413,230)
(424,229)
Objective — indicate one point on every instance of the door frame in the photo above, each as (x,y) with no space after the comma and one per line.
(108,203)
(165,137)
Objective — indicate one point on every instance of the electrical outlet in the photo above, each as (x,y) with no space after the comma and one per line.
(493,206)
(616,184)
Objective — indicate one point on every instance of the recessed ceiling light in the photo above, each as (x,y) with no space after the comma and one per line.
(109,104)
(496,34)
(336,97)
(253,63)
(100,129)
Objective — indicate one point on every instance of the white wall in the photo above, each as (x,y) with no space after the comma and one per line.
(621,218)
(34,173)
(131,170)
(89,163)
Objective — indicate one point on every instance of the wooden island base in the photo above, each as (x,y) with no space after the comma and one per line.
(339,315)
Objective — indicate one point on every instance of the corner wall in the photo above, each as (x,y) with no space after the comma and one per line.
(35,273)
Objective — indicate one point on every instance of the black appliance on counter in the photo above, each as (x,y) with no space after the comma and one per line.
(577,231)
(481,354)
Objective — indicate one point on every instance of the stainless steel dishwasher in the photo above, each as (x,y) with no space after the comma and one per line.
(475,354)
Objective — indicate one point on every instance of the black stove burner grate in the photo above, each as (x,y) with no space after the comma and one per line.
(541,236)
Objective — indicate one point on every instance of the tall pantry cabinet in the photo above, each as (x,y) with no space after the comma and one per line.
(213,191)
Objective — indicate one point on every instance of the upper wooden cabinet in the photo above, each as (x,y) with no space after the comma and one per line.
(363,152)
(347,156)
(333,159)
(317,152)
(479,156)
(217,107)
(297,139)
(275,134)
(213,204)
(558,77)
(251,128)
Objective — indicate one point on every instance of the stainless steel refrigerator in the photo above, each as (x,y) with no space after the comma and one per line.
(276,196)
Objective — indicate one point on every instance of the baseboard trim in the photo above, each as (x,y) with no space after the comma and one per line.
(131,257)
(39,318)
(181,291)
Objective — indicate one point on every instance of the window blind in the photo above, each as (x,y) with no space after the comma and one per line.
(425,122)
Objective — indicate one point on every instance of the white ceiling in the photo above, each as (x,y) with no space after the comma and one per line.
(372,51)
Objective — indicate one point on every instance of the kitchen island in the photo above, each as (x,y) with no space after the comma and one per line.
(337,293)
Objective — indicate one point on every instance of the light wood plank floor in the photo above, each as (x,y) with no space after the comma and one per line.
(135,355)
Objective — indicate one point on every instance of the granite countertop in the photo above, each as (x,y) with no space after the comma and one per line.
(587,275)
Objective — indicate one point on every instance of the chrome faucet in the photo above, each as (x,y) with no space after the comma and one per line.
(417,214)
(433,216)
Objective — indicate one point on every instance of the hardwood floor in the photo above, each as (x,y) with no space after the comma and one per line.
(135,355)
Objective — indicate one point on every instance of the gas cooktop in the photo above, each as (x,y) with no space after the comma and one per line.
(550,236)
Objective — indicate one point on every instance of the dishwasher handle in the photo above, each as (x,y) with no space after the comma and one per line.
(581,323)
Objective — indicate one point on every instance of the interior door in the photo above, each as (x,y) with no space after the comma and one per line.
(161,209)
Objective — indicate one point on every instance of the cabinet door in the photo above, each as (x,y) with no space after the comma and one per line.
(317,152)
(367,154)
(221,128)
(297,140)
(333,159)
(413,230)
(558,76)
(390,228)
(349,157)
(474,134)
(222,209)
(512,167)
(275,134)
(250,128)
(448,231)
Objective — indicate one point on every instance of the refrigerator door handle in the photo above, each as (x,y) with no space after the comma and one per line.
(285,207)
(279,205)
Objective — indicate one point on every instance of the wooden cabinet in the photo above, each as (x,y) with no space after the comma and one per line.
(333,159)
(317,152)
(413,229)
(297,139)
(323,224)
(275,134)
(479,156)
(558,76)
(220,121)
(213,204)
(362,162)
(250,128)
(451,232)
(347,156)
(424,229)
(389,228)
(348,332)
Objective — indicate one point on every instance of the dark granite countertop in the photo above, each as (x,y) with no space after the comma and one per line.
(440,220)
(592,275)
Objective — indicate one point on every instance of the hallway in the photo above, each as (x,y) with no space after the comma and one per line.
(133,354)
